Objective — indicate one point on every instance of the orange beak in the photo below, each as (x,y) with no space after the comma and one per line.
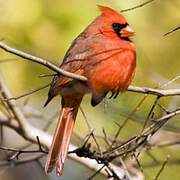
(127,32)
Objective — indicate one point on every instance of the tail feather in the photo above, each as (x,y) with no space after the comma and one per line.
(61,140)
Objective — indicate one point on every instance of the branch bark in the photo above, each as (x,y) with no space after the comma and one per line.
(26,56)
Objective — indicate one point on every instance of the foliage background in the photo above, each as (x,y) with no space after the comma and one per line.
(46,29)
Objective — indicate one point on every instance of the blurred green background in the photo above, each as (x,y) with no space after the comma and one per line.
(46,28)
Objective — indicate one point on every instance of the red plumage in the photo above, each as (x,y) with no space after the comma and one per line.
(105,55)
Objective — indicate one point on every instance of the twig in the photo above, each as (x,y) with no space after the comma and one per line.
(163,108)
(91,131)
(17,152)
(40,146)
(170,81)
(137,161)
(171,31)
(28,93)
(127,119)
(114,174)
(94,174)
(137,141)
(150,112)
(161,169)
(21,161)
(85,118)
(138,6)
(105,137)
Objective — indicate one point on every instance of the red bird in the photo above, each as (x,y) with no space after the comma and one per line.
(105,55)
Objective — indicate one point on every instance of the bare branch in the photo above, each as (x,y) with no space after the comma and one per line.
(162,168)
(41,61)
(91,131)
(97,172)
(18,152)
(28,93)
(156,92)
(171,31)
(138,163)
(127,119)
(138,6)
(150,114)
(134,143)
(21,161)
(170,81)
(24,126)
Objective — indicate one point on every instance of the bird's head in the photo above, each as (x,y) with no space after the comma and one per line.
(110,22)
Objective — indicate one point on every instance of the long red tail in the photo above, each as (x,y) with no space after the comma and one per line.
(59,147)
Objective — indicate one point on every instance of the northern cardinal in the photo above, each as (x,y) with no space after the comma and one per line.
(105,55)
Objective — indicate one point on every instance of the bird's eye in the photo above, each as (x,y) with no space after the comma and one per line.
(117,27)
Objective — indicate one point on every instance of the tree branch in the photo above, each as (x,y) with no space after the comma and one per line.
(26,56)
(156,92)
(41,61)
(138,6)
(172,30)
